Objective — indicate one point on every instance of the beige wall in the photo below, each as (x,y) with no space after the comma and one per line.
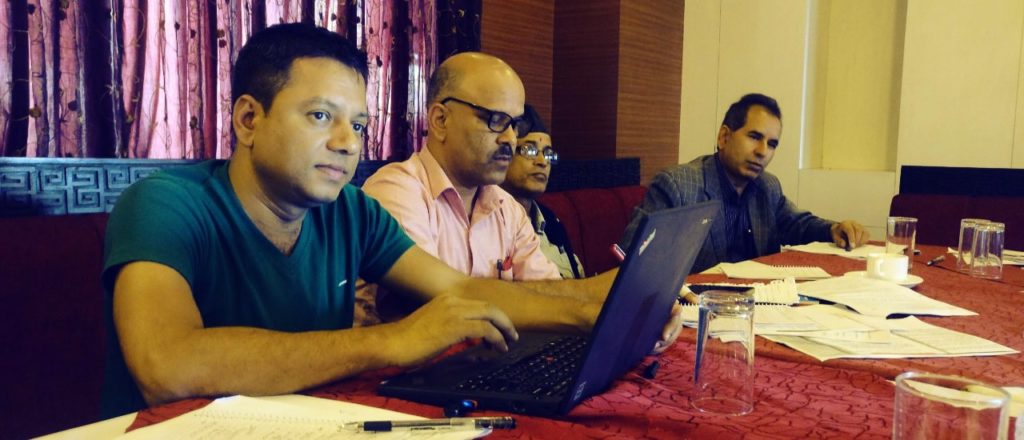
(861,84)
(865,87)
(961,71)
(752,47)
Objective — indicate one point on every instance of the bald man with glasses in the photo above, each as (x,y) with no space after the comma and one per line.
(447,197)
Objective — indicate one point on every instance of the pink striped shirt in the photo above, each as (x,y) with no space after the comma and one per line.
(418,193)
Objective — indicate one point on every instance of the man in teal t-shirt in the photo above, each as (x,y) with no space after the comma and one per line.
(237,277)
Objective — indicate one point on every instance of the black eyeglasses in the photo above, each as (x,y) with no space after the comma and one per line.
(497,121)
(530,151)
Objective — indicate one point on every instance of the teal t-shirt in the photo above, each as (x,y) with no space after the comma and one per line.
(189,219)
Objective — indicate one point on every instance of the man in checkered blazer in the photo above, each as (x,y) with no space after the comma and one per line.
(756,218)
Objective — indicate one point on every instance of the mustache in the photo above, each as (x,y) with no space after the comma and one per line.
(504,150)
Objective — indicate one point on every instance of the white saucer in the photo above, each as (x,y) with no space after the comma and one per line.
(911,281)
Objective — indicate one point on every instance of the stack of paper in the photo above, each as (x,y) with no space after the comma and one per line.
(754,270)
(291,416)
(820,247)
(878,298)
(767,318)
(890,338)
(831,332)
(1013,258)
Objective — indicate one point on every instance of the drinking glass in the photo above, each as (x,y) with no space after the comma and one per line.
(724,368)
(963,248)
(987,251)
(900,234)
(936,407)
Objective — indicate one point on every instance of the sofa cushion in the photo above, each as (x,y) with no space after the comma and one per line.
(53,353)
(939,216)
(594,219)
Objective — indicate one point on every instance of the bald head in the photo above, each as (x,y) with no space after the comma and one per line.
(467,92)
(472,74)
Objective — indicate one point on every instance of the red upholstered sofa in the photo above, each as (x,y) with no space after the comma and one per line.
(53,330)
(594,219)
(52,352)
(939,215)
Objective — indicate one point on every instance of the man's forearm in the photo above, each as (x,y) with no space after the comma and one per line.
(593,289)
(252,361)
(537,305)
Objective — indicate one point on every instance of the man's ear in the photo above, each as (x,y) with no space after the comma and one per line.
(437,121)
(246,112)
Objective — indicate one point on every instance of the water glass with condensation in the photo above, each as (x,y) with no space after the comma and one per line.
(937,407)
(900,235)
(963,248)
(987,251)
(724,368)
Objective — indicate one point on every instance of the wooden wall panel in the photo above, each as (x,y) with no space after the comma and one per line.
(650,69)
(521,33)
(585,86)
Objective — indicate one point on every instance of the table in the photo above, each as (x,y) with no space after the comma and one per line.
(797,396)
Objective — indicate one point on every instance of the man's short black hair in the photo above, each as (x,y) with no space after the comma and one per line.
(440,81)
(536,124)
(736,116)
(263,64)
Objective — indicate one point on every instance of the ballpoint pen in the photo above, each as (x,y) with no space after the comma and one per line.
(935,260)
(455,423)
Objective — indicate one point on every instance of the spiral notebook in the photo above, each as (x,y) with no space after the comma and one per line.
(777,292)
(753,270)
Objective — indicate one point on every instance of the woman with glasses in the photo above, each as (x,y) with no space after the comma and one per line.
(527,179)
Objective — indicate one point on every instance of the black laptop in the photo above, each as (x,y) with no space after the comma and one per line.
(548,373)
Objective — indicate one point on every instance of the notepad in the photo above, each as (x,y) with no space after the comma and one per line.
(753,270)
(290,416)
(781,292)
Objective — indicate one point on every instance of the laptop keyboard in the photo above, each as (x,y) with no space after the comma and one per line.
(546,373)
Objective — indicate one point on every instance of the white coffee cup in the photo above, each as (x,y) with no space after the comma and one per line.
(889,267)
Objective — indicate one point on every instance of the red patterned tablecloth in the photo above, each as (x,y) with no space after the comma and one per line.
(999,304)
(797,396)
(793,401)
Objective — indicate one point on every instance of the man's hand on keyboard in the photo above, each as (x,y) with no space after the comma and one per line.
(448,320)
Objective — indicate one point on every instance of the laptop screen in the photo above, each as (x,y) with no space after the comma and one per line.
(639,303)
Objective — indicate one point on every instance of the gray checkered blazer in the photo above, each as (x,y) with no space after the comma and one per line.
(774,219)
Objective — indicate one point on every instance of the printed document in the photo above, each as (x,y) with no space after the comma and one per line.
(878,298)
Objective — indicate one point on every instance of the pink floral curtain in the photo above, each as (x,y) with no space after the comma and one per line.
(151,79)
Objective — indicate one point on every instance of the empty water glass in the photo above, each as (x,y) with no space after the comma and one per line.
(724,368)
(900,235)
(987,251)
(937,407)
(963,248)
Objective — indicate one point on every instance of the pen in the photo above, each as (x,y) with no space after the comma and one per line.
(617,251)
(455,423)
(935,260)
(847,240)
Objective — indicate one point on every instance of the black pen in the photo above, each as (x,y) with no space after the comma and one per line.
(935,260)
(455,423)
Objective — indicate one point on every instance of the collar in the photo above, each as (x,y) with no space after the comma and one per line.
(488,197)
(537,218)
